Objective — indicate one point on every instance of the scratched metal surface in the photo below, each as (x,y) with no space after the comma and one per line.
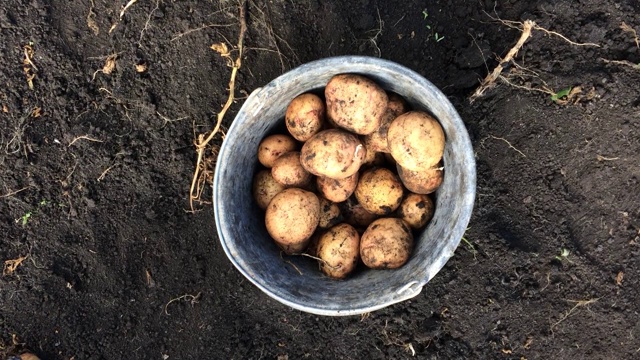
(240,223)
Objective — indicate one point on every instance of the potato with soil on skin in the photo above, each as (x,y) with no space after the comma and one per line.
(312,247)
(329,214)
(274,146)
(379,191)
(421,182)
(373,159)
(305,116)
(355,103)
(337,190)
(416,140)
(339,249)
(356,215)
(265,187)
(288,171)
(333,153)
(377,140)
(291,218)
(386,244)
(416,210)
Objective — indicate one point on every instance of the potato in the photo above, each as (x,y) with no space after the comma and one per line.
(386,244)
(305,116)
(373,158)
(377,140)
(329,214)
(274,146)
(397,104)
(27,356)
(421,182)
(339,249)
(312,247)
(337,190)
(291,218)
(333,153)
(355,103)
(356,215)
(379,191)
(265,187)
(416,210)
(416,140)
(288,171)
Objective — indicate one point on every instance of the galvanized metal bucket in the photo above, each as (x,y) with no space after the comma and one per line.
(240,223)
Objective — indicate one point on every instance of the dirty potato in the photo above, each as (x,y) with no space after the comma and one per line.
(421,182)
(265,187)
(291,218)
(339,250)
(416,210)
(355,103)
(333,153)
(386,244)
(356,215)
(379,191)
(337,190)
(416,140)
(377,140)
(373,158)
(305,116)
(329,214)
(274,146)
(288,171)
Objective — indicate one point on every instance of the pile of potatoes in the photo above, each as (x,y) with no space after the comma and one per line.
(350,180)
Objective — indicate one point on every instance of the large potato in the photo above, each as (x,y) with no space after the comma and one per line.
(329,214)
(379,191)
(377,140)
(333,153)
(416,210)
(265,187)
(274,146)
(339,249)
(288,171)
(355,103)
(305,116)
(416,140)
(386,244)
(291,218)
(337,190)
(421,182)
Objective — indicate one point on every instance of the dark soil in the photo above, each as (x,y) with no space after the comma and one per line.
(96,170)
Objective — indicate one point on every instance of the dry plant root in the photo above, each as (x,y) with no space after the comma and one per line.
(526,29)
(203,139)
(628,29)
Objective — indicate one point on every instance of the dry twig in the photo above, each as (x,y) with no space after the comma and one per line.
(490,79)
(83,137)
(628,29)
(193,299)
(526,28)
(11,193)
(203,140)
(578,303)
